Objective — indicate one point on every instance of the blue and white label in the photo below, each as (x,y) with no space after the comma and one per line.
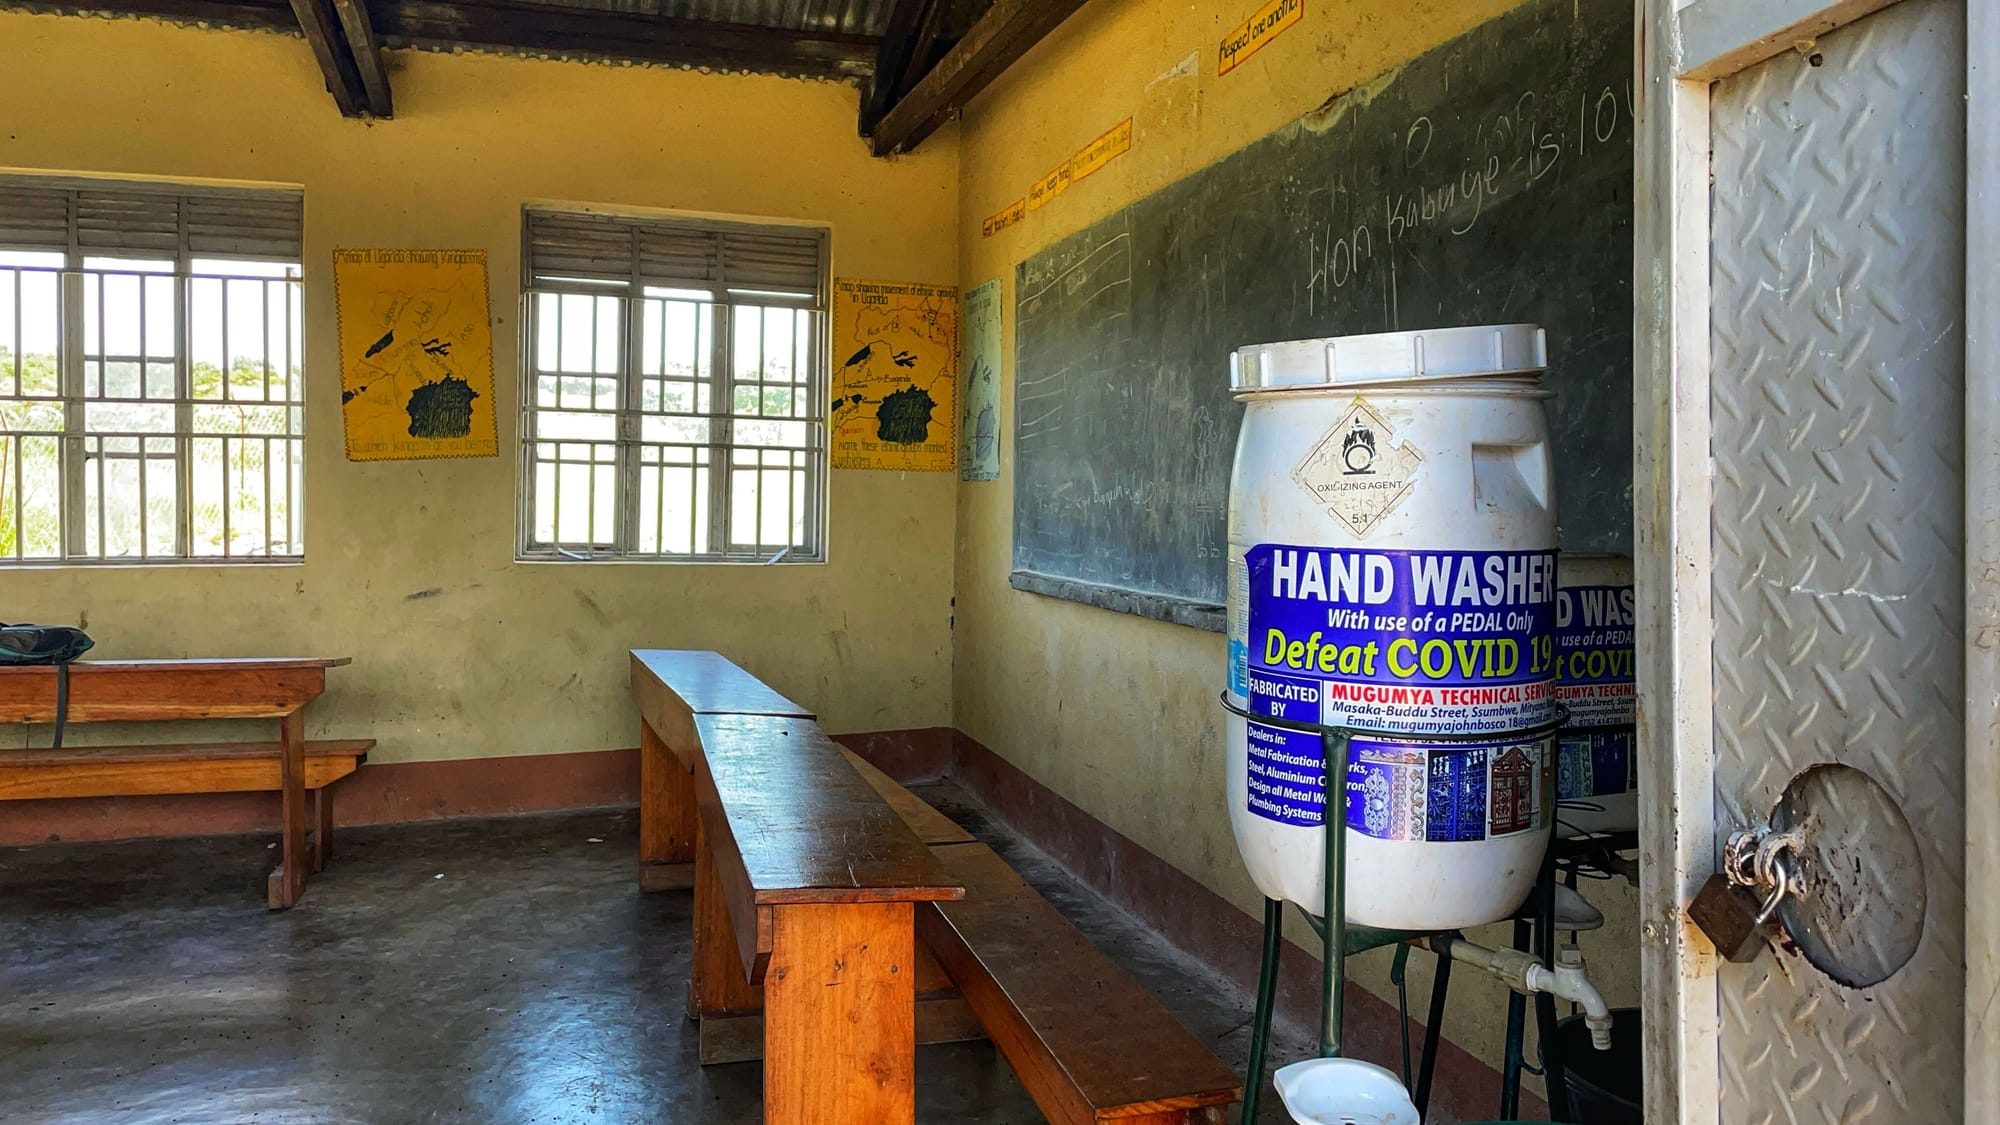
(1595,679)
(1594,670)
(1451,793)
(1595,764)
(1236,625)
(1430,642)
(1427,642)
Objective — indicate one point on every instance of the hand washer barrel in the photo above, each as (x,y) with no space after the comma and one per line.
(1392,567)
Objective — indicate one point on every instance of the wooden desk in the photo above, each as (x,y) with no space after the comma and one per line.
(806,882)
(672,687)
(159,690)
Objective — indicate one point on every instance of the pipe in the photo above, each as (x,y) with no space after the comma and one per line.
(1523,973)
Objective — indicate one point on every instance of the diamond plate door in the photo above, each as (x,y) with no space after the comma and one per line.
(1837,395)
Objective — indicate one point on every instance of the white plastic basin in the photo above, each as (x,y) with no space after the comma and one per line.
(1344,1092)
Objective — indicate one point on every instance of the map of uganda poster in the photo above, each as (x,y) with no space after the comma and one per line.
(895,375)
(416,354)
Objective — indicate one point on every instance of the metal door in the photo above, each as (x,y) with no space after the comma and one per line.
(1811,560)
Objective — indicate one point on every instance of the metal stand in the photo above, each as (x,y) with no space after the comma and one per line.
(1337,938)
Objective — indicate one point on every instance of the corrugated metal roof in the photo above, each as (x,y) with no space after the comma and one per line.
(839,17)
(825,17)
(818,38)
(847,17)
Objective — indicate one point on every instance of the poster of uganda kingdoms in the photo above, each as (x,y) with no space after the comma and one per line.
(416,354)
(895,375)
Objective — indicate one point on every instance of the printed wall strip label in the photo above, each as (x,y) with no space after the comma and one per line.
(1250,36)
(1005,217)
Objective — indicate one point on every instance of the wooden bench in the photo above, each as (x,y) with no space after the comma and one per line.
(1087,1041)
(806,887)
(165,690)
(672,687)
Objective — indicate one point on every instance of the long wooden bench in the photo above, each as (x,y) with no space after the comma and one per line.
(1086,1040)
(806,887)
(672,687)
(167,690)
(1089,1043)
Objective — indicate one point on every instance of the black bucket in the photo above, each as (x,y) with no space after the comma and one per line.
(1605,1087)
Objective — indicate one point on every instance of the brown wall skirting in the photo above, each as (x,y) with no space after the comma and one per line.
(395,792)
(923,752)
(385,793)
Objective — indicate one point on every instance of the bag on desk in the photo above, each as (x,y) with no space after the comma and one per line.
(46,644)
(42,644)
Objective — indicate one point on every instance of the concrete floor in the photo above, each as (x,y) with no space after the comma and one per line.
(493,971)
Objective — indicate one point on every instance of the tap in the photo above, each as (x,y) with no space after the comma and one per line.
(1568,981)
(1523,973)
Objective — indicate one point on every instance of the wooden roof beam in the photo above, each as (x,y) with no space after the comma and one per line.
(894,59)
(366,51)
(1005,33)
(329,47)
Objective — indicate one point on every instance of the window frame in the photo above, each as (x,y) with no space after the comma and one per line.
(76,352)
(634,293)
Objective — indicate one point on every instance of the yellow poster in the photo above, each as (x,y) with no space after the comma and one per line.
(416,354)
(895,375)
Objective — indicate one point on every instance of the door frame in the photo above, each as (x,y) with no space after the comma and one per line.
(1982,557)
(1682,48)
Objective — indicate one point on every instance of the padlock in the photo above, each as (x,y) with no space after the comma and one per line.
(1732,917)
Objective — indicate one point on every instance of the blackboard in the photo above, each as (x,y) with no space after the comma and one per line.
(1488,181)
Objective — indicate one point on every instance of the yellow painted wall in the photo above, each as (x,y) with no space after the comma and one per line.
(1118,713)
(503,657)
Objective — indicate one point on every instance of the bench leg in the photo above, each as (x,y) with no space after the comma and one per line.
(717,985)
(288,882)
(839,1011)
(322,842)
(666,816)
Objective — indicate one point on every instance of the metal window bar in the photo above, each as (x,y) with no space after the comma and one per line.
(111,514)
(601,259)
(95,308)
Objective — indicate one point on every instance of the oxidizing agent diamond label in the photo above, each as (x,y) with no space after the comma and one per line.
(1358,470)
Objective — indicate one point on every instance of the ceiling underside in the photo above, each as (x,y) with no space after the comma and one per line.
(917,61)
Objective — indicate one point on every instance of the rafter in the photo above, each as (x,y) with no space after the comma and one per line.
(329,48)
(894,59)
(1005,33)
(366,51)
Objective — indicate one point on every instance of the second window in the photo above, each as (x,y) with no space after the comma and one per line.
(675,389)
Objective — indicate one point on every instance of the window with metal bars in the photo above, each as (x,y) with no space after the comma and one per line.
(674,406)
(151,407)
